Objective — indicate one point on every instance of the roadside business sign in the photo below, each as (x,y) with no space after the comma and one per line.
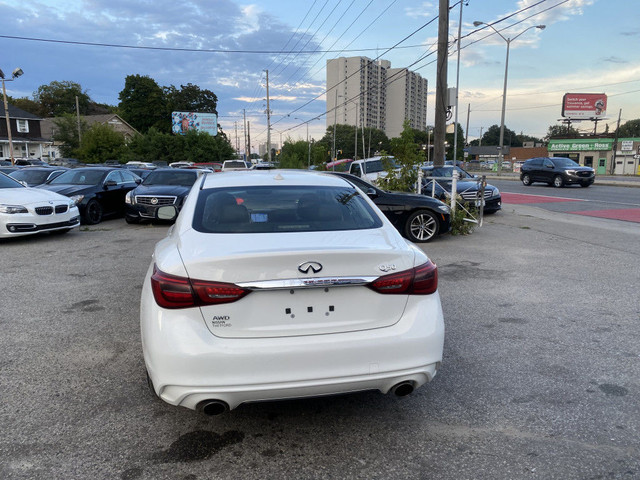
(599,145)
(182,122)
(584,105)
(626,145)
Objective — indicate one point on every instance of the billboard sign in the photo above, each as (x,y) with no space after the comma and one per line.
(182,122)
(584,105)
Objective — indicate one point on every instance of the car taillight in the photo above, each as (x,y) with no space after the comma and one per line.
(421,280)
(172,291)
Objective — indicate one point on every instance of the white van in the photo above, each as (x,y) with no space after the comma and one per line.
(371,169)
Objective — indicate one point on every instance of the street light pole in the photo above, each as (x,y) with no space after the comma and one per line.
(16,73)
(504,91)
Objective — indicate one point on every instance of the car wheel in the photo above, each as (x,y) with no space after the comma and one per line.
(585,184)
(557,181)
(526,180)
(131,220)
(93,212)
(421,226)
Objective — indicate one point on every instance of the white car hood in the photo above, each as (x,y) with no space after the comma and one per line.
(28,196)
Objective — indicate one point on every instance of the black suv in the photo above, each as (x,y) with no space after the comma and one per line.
(556,171)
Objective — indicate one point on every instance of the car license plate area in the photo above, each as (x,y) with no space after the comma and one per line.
(304,311)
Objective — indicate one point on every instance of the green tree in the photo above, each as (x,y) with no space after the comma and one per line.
(492,137)
(555,131)
(375,141)
(26,104)
(294,154)
(100,143)
(193,147)
(65,131)
(190,98)
(630,128)
(449,137)
(143,104)
(408,156)
(59,98)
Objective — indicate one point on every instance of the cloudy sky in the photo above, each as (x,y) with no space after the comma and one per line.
(226,46)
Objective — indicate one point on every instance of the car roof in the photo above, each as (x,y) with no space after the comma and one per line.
(272,177)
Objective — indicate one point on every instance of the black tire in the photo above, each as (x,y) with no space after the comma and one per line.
(584,185)
(421,226)
(131,220)
(92,213)
(558,181)
(526,180)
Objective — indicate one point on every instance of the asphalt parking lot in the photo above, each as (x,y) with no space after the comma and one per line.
(539,380)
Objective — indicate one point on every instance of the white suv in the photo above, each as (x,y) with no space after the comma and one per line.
(371,169)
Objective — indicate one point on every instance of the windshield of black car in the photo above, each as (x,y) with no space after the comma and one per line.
(182,179)
(564,162)
(270,209)
(30,176)
(8,182)
(79,177)
(235,164)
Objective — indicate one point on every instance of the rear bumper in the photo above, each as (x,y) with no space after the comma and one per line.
(188,364)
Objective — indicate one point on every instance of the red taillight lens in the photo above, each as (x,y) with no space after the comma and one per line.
(421,280)
(214,293)
(171,291)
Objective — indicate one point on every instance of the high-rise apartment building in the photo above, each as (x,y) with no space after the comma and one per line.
(374,94)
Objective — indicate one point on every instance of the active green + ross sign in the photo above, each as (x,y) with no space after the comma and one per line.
(599,145)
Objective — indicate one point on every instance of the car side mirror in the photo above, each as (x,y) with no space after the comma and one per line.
(167,212)
(110,183)
(371,192)
(138,181)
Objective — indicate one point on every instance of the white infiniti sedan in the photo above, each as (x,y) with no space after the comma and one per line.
(25,211)
(285,284)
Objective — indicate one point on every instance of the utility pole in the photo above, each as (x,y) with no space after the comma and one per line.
(615,144)
(235,125)
(440,121)
(480,138)
(268,121)
(335,119)
(355,148)
(455,123)
(466,130)
(244,131)
(249,140)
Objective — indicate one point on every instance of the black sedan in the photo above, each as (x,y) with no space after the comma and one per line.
(34,176)
(417,217)
(98,191)
(467,187)
(163,186)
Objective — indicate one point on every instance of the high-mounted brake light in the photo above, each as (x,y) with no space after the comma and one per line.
(172,291)
(421,280)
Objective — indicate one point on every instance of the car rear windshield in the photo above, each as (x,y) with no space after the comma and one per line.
(264,209)
(375,166)
(180,178)
(235,164)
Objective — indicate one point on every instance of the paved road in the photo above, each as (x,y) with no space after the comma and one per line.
(603,201)
(539,380)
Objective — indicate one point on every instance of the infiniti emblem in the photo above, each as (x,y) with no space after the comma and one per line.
(154,201)
(315,267)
